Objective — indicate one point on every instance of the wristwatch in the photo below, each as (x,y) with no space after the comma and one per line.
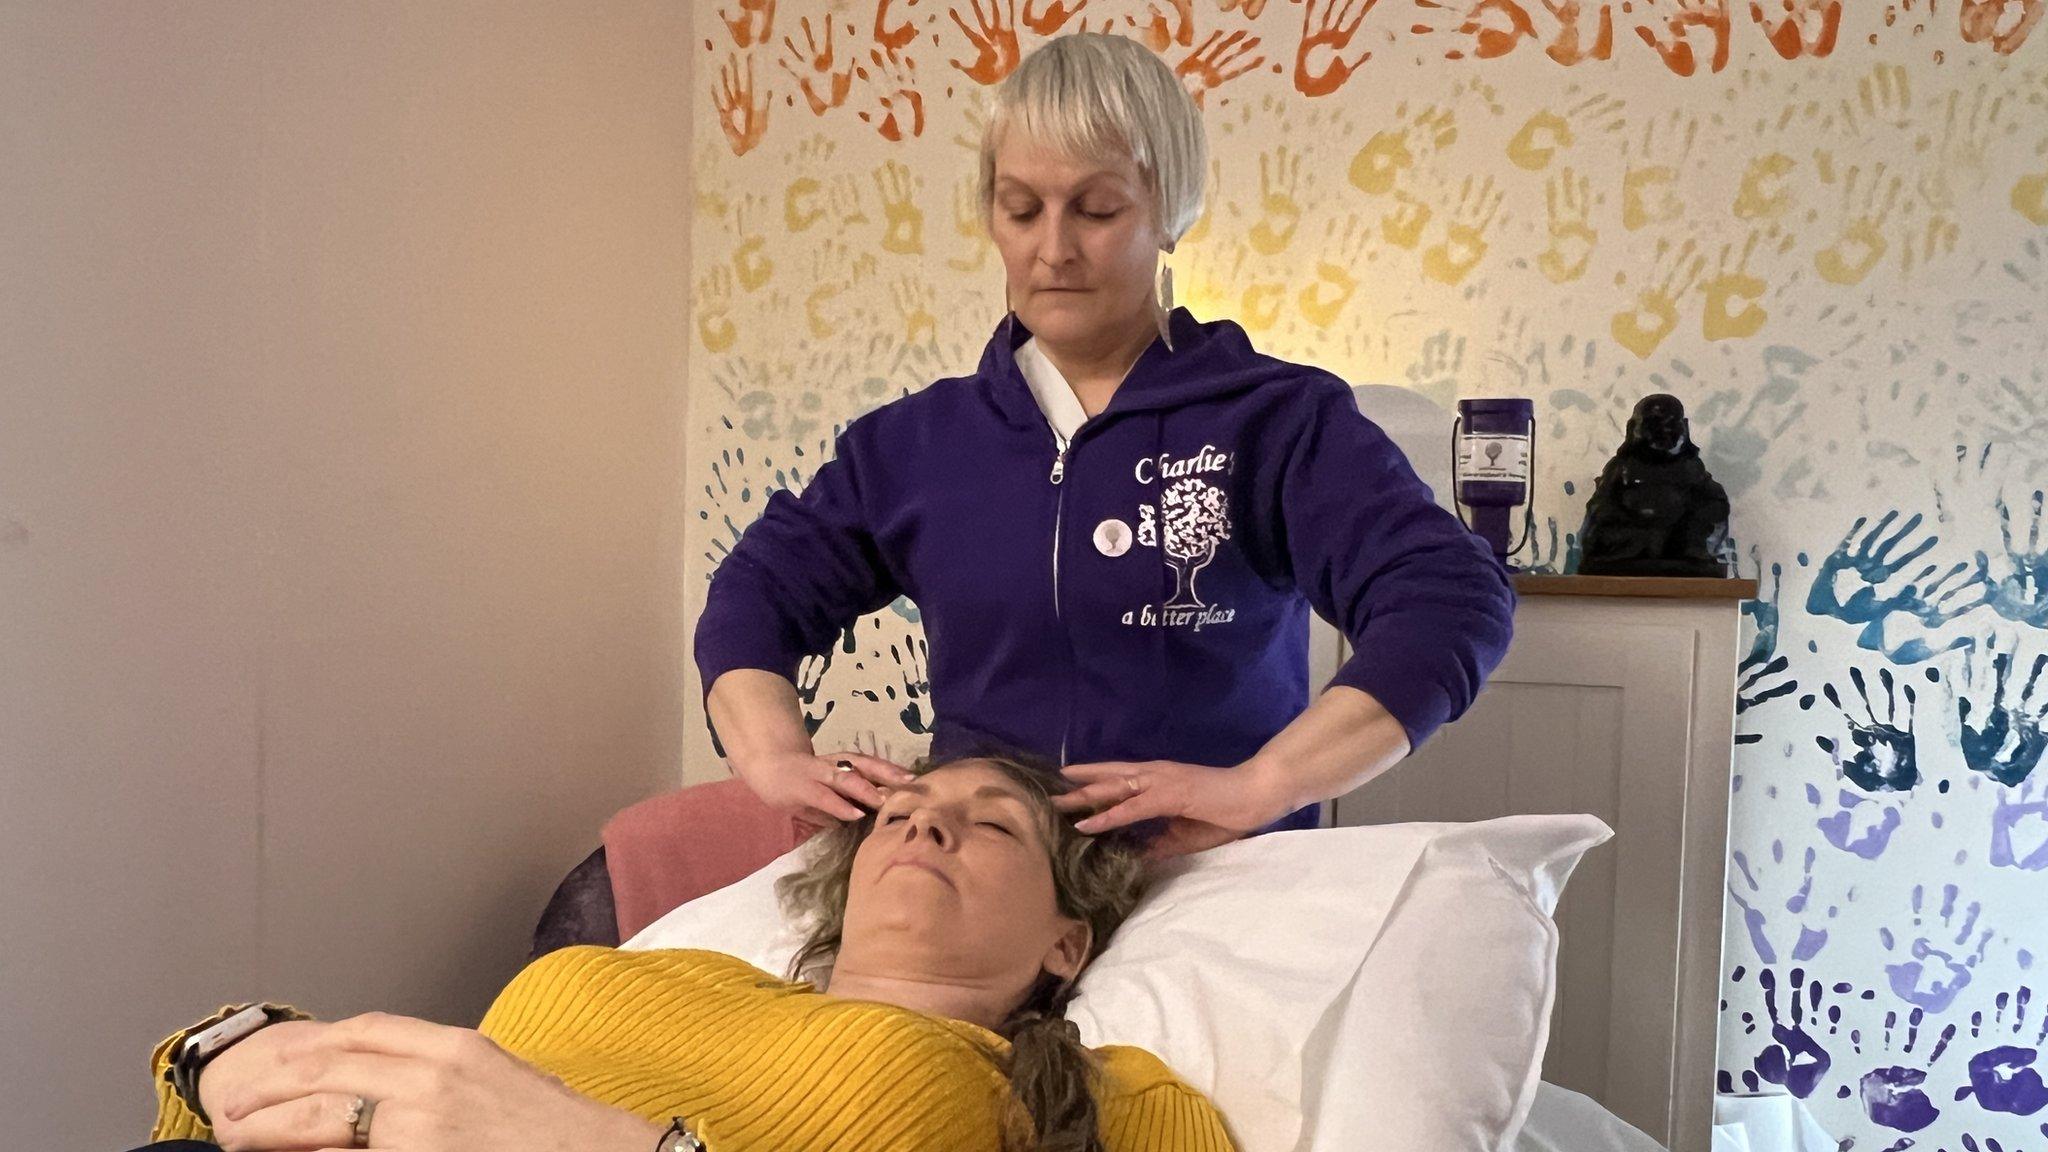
(206,1041)
(679,1138)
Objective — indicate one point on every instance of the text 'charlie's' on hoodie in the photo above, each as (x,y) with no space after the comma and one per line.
(1142,592)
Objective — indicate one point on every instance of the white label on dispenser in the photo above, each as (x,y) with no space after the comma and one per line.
(1488,457)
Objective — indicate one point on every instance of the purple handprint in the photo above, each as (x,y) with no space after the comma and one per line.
(1812,934)
(2019,830)
(1932,977)
(2004,1078)
(1892,1095)
(1795,1059)
(1859,825)
(1872,562)
(2008,745)
(1885,759)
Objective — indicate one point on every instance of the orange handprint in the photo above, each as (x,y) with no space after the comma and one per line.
(1805,27)
(1496,26)
(895,81)
(893,40)
(1052,19)
(994,38)
(753,25)
(1566,47)
(1251,8)
(1220,59)
(1981,20)
(1335,31)
(1676,46)
(744,120)
(1155,32)
(819,61)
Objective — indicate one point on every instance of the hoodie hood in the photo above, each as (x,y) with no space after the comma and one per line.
(1209,359)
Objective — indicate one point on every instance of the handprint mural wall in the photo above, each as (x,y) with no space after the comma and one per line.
(1822,224)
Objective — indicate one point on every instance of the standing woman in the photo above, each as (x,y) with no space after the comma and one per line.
(1115,528)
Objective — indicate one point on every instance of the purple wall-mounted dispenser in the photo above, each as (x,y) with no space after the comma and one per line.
(1493,464)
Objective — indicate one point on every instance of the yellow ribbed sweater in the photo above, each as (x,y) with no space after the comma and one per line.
(761,1064)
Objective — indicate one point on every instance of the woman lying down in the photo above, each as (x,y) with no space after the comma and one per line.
(955,920)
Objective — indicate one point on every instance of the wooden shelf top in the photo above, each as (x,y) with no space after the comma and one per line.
(1663,587)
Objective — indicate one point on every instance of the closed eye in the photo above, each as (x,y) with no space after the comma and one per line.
(1003,828)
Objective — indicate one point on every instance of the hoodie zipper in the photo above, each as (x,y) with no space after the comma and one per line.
(1059,473)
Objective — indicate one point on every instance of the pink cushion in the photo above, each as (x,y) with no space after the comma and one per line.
(670,849)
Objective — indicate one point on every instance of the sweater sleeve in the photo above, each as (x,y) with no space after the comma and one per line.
(801,573)
(1427,609)
(1169,1117)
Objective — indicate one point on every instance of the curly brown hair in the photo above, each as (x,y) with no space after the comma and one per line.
(1096,880)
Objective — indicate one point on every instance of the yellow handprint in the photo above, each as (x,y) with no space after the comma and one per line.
(1343,252)
(750,260)
(2030,192)
(1464,242)
(1763,195)
(1260,308)
(1390,152)
(1648,183)
(1199,230)
(1280,185)
(1862,242)
(1730,284)
(1543,134)
(969,227)
(1672,274)
(914,301)
(1403,226)
(904,233)
(713,308)
(800,201)
(1569,198)
(827,284)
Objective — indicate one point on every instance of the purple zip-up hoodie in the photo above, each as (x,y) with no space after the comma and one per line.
(1143,594)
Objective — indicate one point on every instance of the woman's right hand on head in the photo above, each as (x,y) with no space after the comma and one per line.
(823,788)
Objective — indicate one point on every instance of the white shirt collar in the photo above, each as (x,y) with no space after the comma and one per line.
(1054,395)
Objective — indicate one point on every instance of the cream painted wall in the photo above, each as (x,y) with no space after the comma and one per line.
(341,361)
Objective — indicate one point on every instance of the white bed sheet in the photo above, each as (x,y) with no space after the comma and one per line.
(1565,1121)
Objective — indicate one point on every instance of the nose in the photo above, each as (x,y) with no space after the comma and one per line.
(930,822)
(1057,241)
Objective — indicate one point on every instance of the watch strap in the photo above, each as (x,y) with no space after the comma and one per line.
(185,1065)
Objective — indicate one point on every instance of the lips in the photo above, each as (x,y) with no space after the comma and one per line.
(909,862)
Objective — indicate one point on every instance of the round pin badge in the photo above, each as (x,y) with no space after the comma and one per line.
(1112,537)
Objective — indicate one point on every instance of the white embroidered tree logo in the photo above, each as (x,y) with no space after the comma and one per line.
(1197,518)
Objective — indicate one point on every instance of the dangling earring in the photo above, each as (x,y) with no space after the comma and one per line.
(1165,302)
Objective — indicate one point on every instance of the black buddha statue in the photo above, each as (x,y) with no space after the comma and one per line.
(1655,510)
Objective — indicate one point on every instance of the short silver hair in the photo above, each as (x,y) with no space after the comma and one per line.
(1099,97)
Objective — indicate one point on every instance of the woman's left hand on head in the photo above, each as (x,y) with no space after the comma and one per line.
(1202,806)
(437,1089)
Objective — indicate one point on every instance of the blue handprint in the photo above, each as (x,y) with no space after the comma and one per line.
(2004,1078)
(2022,594)
(1885,759)
(1872,562)
(2009,743)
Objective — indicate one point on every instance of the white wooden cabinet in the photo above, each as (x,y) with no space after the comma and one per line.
(1616,698)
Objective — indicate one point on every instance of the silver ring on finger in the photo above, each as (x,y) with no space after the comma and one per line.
(360,1110)
(1131,782)
(842,766)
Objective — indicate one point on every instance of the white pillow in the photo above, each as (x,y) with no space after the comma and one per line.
(1261,972)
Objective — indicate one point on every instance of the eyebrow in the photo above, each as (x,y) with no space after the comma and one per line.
(919,788)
